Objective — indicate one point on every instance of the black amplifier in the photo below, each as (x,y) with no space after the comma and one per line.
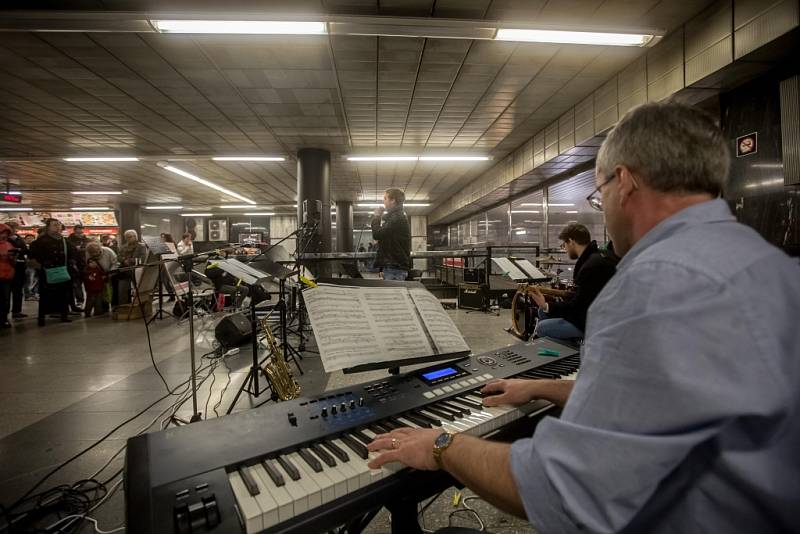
(472,296)
(474,276)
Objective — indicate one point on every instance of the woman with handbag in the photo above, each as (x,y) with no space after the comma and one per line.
(51,255)
(8,259)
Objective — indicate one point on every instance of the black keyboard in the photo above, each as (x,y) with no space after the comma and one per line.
(301,465)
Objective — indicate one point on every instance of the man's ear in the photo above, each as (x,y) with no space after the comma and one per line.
(627,183)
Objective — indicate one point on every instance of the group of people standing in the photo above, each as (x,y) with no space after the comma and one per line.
(67,275)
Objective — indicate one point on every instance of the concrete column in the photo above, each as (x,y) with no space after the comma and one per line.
(129,219)
(344,226)
(419,238)
(314,183)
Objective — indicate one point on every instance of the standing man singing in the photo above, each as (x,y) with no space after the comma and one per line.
(393,232)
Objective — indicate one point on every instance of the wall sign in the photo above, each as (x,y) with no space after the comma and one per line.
(14,198)
(746,144)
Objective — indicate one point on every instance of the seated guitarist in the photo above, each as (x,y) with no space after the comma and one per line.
(567,320)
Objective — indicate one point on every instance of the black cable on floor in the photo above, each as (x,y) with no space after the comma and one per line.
(147,328)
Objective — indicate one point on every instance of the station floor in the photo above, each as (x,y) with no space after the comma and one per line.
(63,386)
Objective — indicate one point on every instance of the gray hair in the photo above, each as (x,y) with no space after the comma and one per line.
(674,148)
(129,233)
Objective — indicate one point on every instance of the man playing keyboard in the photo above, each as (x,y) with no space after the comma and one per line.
(684,417)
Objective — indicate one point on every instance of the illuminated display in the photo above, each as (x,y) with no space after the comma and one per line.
(440,373)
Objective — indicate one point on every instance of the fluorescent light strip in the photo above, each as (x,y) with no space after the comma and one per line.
(237,207)
(248,158)
(454,158)
(12,192)
(196,214)
(260,213)
(17,209)
(163,207)
(382,158)
(265,27)
(573,37)
(559,205)
(407,204)
(95,208)
(96,192)
(524,211)
(571,211)
(101,159)
(206,183)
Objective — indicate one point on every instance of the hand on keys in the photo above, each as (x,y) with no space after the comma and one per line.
(410,446)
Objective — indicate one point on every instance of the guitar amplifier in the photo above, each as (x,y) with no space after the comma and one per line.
(472,296)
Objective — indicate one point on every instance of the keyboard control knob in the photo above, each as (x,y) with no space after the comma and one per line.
(333,410)
(324,411)
(352,405)
(361,401)
(344,407)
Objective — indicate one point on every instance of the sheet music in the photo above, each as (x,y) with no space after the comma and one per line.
(509,268)
(440,326)
(360,325)
(531,270)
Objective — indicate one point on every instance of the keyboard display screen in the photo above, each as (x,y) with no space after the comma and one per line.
(440,373)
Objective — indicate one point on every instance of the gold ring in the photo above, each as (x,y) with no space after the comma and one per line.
(395,443)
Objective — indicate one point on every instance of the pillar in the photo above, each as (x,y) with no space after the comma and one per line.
(129,219)
(314,183)
(344,226)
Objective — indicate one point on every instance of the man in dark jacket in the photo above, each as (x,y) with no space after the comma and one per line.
(393,232)
(49,251)
(567,320)
(18,283)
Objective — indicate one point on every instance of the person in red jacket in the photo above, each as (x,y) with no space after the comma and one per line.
(8,260)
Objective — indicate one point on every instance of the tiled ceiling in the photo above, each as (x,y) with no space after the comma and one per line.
(170,96)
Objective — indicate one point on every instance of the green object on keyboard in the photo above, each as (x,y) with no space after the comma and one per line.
(548,352)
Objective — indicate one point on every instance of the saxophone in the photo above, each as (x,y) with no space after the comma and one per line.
(278,373)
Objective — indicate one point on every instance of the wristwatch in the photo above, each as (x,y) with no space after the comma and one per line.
(444,440)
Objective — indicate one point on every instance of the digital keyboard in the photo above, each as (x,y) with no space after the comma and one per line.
(301,465)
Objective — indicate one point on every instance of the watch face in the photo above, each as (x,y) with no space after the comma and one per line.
(442,440)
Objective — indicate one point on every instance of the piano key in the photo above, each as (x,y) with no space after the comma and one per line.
(419,421)
(350,475)
(429,419)
(249,483)
(468,403)
(386,469)
(322,454)
(355,446)
(339,482)
(440,413)
(289,467)
(360,436)
(336,450)
(450,404)
(288,498)
(378,428)
(391,425)
(308,482)
(321,480)
(310,460)
(248,507)
(359,466)
(397,421)
(444,408)
(272,471)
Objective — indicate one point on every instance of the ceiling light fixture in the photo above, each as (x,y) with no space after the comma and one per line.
(96,192)
(574,37)
(248,158)
(382,158)
(101,159)
(206,183)
(259,213)
(264,27)
(454,158)
(237,206)
(196,214)
(525,211)
(571,211)
(406,204)
(163,207)
(94,208)
(24,208)
(551,204)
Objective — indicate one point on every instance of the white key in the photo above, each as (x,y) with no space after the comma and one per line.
(267,503)
(248,507)
(295,490)
(325,483)
(363,472)
(312,490)
(571,376)
(347,471)
(282,497)
(387,469)
(339,481)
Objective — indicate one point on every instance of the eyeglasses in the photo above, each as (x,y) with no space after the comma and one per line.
(595,199)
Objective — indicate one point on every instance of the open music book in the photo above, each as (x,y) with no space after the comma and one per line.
(356,326)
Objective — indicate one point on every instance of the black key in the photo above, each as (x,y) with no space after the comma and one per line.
(467,402)
(273,472)
(249,481)
(360,436)
(310,459)
(461,409)
(378,428)
(440,413)
(327,458)
(419,421)
(355,446)
(289,467)
(444,408)
(336,451)
(398,422)
(425,417)
(391,425)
